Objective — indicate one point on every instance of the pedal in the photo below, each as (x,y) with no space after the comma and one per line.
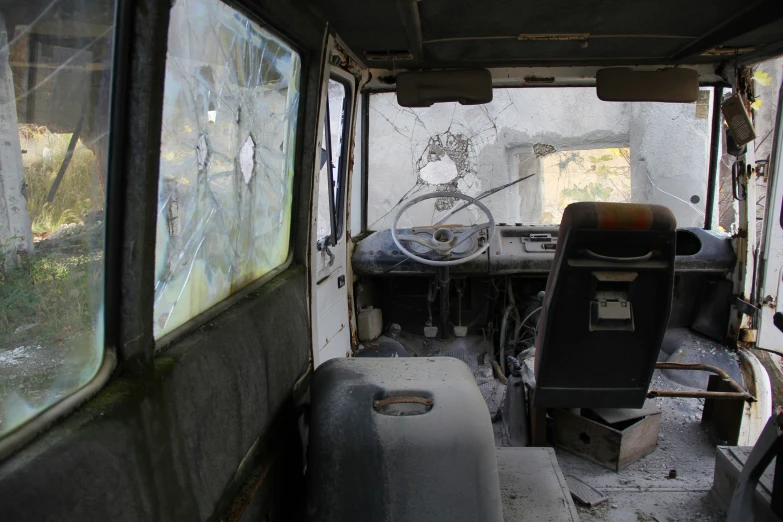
(460,331)
(430,332)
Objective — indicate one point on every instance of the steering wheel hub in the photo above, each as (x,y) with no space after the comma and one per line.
(443,235)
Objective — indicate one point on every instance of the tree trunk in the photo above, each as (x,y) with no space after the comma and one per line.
(16,235)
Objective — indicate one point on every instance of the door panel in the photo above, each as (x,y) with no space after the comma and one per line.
(331,331)
(770,295)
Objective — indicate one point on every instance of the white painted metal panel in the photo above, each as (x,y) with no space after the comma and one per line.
(772,253)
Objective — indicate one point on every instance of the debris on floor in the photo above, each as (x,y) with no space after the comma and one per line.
(643,491)
(584,493)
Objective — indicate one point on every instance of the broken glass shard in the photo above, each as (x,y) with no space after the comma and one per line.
(442,170)
(202,152)
(246,161)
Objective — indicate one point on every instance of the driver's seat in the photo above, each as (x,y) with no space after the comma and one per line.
(606,306)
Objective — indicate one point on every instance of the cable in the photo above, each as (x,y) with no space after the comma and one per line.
(531,315)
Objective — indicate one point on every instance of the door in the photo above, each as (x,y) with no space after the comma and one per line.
(331,330)
(771,288)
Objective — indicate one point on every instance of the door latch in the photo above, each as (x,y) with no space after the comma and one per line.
(323,246)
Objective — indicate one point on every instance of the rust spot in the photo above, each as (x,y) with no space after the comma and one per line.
(747,336)
(249,489)
(354,334)
(539,79)
(747,376)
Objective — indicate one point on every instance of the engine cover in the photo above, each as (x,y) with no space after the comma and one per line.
(400,439)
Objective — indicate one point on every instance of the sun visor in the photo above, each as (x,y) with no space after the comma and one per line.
(671,85)
(422,89)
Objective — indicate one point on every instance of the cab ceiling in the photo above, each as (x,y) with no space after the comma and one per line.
(460,33)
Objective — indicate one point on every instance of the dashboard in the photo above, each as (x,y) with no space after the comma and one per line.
(521,249)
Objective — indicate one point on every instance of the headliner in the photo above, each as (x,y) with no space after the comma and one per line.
(459,33)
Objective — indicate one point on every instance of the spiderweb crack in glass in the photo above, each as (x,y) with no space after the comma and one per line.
(230,107)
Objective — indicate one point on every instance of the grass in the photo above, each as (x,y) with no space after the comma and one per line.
(49,301)
(78,192)
(56,292)
(56,288)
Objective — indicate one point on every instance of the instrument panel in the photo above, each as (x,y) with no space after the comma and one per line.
(521,249)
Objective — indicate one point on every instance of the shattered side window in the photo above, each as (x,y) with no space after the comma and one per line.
(230,110)
(55,81)
(532,151)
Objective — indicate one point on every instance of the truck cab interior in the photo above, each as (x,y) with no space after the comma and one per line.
(400,260)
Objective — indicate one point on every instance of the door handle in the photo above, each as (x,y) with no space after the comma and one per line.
(325,248)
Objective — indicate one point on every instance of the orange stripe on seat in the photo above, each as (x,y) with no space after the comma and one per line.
(624,217)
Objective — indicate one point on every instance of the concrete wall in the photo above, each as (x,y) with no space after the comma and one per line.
(670,158)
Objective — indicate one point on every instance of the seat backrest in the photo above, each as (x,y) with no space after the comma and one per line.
(606,306)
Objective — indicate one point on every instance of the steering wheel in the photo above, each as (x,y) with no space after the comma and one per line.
(443,241)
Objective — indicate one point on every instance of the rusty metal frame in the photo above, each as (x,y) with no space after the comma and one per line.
(739,392)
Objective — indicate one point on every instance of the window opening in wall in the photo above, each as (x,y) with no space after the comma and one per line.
(530,152)
(331,176)
(230,108)
(55,78)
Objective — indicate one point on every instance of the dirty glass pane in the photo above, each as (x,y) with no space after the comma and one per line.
(538,150)
(55,77)
(227,158)
(336,97)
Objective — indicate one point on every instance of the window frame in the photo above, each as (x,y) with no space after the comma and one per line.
(114,210)
(305,61)
(337,209)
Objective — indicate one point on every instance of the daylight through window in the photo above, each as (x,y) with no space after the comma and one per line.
(55,78)
(227,159)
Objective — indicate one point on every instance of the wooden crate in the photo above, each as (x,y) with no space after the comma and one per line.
(611,448)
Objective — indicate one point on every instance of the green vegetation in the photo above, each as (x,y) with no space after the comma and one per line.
(49,296)
(590,192)
(614,181)
(78,192)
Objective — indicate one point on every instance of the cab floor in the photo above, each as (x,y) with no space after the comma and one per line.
(643,492)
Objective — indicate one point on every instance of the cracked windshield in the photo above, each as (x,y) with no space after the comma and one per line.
(55,77)
(532,151)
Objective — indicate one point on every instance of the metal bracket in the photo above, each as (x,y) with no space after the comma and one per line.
(768,446)
(744,307)
(739,392)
